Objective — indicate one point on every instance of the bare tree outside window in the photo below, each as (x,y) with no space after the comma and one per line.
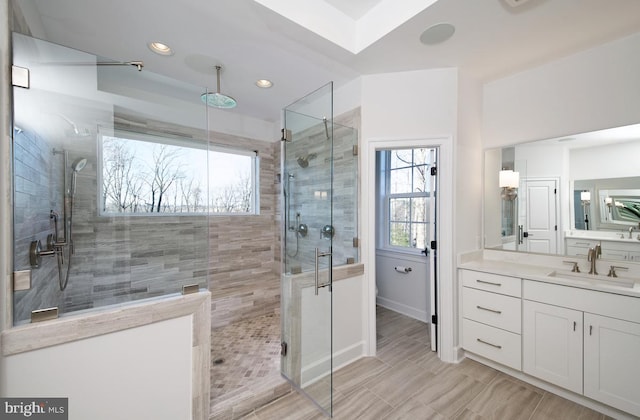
(407,195)
(142,176)
(121,182)
(166,170)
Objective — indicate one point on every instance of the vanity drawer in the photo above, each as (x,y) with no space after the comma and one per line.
(493,309)
(493,343)
(505,285)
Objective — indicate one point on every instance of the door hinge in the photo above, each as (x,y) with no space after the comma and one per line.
(556,227)
(283,348)
(434,170)
(555,191)
(20,77)
(355,150)
(434,319)
(286,135)
(434,245)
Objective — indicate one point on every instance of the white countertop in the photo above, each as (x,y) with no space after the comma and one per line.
(560,276)
(601,235)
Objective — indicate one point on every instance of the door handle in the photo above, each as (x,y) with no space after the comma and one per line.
(520,237)
(317,276)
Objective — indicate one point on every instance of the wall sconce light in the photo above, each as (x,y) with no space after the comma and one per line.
(585,197)
(509,181)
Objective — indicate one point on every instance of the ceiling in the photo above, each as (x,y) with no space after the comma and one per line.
(252,42)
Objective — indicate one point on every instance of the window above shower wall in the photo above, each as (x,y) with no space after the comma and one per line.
(158,175)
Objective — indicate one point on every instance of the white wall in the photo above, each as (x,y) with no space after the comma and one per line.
(348,340)
(468,166)
(609,161)
(401,110)
(406,293)
(595,89)
(139,373)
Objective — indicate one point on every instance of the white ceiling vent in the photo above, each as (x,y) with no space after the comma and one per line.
(515,3)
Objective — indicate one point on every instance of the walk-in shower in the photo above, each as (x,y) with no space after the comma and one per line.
(69,255)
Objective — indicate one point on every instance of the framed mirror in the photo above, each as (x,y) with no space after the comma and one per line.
(585,186)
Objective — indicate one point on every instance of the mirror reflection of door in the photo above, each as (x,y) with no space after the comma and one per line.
(538,216)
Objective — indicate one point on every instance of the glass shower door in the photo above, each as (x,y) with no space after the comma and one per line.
(308,235)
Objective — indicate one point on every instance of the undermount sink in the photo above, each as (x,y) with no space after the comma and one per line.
(591,278)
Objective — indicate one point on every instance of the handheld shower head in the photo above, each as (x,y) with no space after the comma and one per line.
(76,167)
(78,164)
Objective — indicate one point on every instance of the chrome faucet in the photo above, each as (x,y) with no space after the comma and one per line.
(592,256)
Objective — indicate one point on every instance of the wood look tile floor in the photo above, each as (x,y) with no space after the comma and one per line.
(407,381)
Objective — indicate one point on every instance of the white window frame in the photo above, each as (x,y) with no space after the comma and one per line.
(385,205)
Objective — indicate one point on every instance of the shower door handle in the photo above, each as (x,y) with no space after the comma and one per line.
(317,274)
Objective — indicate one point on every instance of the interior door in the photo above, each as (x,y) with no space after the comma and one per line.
(540,224)
(433,269)
(307,353)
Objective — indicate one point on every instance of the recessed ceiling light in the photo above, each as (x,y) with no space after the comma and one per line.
(264,83)
(160,48)
(437,33)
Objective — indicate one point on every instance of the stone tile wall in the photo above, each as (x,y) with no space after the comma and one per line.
(308,189)
(118,259)
(37,190)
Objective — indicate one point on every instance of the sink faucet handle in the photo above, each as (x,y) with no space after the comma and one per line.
(575,268)
(612,270)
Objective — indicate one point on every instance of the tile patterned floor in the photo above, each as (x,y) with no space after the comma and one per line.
(249,372)
(407,381)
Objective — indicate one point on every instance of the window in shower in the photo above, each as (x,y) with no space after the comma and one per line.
(405,181)
(148,174)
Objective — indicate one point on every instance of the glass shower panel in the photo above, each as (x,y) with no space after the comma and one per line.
(309,232)
(102,153)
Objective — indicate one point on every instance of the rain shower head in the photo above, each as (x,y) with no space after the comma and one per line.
(303,161)
(217,99)
(78,164)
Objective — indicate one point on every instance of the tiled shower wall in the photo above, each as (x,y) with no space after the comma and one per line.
(245,250)
(315,177)
(119,259)
(38,178)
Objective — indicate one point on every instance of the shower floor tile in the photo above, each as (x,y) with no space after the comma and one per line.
(245,360)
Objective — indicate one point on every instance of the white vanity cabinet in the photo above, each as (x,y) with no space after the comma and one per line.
(552,344)
(491,310)
(611,368)
(583,340)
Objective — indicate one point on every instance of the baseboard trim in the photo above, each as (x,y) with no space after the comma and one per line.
(320,369)
(402,309)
